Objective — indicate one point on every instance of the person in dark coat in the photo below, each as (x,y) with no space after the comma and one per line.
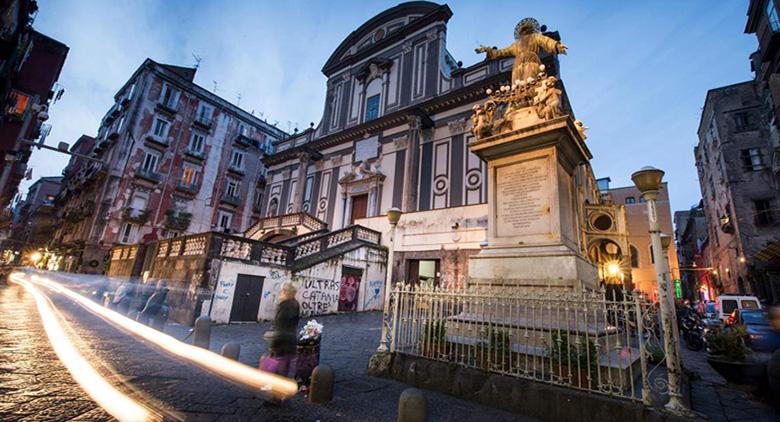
(154,304)
(285,338)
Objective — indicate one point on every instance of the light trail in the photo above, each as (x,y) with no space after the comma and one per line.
(101,391)
(275,385)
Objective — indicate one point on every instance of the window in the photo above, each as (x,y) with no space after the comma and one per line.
(169,97)
(232,188)
(204,113)
(190,175)
(771,16)
(161,128)
(743,121)
(196,142)
(652,256)
(372,108)
(634,256)
(127,233)
(151,160)
(18,104)
(237,160)
(243,130)
(749,304)
(139,201)
(752,159)
(630,200)
(130,91)
(258,197)
(728,306)
(224,220)
(423,271)
(641,199)
(763,212)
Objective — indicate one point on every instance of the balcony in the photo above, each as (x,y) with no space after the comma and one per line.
(135,215)
(244,140)
(198,155)
(191,188)
(156,141)
(231,199)
(236,170)
(169,109)
(177,220)
(151,176)
(202,122)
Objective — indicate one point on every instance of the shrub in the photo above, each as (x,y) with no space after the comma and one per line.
(434,332)
(564,352)
(498,341)
(729,344)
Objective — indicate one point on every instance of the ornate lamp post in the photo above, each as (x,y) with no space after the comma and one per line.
(648,182)
(393,215)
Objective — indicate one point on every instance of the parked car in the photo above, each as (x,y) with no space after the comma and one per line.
(761,337)
(727,303)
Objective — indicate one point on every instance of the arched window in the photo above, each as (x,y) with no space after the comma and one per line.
(634,256)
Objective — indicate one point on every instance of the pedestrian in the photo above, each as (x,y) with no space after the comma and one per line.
(154,304)
(283,338)
(123,297)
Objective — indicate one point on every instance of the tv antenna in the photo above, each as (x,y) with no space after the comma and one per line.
(198,59)
(238,101)
(215,87)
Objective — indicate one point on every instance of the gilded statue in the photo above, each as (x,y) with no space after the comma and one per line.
(528,42)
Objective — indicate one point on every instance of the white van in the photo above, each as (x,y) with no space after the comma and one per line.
(728,302)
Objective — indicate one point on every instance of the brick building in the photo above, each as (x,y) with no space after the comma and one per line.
(173,159)
(740,190)
(30,64)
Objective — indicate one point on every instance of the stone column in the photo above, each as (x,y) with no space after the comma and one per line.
(300,185)
(411,175)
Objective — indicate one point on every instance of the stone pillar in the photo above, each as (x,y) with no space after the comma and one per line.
(300,185)
(411,175)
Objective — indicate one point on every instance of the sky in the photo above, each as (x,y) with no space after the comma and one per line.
(636,72)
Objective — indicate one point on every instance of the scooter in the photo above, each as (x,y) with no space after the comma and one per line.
(693,332)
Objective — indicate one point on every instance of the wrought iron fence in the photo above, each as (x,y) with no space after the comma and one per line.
(596,341)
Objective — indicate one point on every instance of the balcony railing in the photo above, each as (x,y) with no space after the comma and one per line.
(149,175)
(244,139)
(177,220)
(191,188)
(231,199)
(200,155)
(202,121)
(237,170)
(155,140)
(134,215)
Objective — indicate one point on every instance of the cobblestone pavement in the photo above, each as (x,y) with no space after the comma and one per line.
(718,400)
(34,385)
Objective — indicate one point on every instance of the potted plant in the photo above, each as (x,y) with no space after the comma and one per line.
(731,358)
(578,358)
(434,339)
(308,356)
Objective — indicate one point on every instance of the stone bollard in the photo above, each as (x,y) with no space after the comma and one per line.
(412,406)
(321,390)
(202,335)
(231,350)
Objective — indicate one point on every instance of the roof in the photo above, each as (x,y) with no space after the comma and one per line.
(429,11)
(714,91)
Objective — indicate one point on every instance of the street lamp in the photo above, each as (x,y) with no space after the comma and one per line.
(393,216)
(648,182)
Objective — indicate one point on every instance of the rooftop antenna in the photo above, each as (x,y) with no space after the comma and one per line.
(198,59)
(215,87)
(238,102)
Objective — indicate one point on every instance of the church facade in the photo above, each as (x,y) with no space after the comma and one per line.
(394,133)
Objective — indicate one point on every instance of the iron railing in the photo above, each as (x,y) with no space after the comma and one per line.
(586,340)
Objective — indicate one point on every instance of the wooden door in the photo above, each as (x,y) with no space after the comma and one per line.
(246,299)
(359,208)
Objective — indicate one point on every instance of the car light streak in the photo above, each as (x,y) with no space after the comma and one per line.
(275,385)
(101,391)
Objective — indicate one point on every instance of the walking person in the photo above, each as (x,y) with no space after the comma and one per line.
(283,338)
(154,305)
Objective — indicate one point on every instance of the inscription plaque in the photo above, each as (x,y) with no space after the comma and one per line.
(522,198)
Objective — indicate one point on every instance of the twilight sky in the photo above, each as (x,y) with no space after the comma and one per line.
(636,73)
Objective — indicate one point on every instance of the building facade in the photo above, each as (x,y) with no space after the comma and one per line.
(394,133)
(35,215)
(740,190)
(640,256)
(170,158)
(691,236)
(30,64)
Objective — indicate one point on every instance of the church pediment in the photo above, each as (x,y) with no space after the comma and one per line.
(363,173)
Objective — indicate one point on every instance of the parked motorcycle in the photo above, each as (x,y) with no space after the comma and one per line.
(693,331)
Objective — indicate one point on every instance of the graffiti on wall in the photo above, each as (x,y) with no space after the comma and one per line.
(318,296)
(373,294)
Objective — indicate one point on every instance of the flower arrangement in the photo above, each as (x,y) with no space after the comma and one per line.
(310,333)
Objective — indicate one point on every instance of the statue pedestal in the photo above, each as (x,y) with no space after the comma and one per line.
(534,212)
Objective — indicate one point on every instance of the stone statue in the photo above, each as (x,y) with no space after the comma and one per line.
(547,100)
(528,42)
(482,119)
